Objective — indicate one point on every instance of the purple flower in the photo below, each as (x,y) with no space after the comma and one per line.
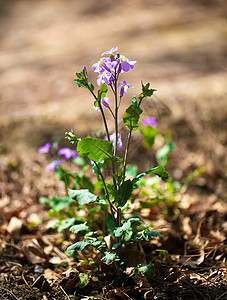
(105,77)
(125,65)
(45,148)
(111,51)
(67,153)
(104,102)
(150,121)
(52,166)
(113,138)
(124,87)
(103,65)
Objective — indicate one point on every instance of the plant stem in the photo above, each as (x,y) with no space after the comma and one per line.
(127,147)
(126,154)
(103,116)
(116,114)
(116,142)
(112,208)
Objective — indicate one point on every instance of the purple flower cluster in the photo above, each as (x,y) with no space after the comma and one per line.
(109,66)
(62,154)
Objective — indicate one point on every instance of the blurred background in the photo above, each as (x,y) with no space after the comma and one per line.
(180,47)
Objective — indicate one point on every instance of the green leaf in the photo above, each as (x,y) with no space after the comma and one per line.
(84,182)
(44,200)
(63,175)
(146,269)
(159,170)
(146,92)
(131,117)
(109,257)
(53,224)
(119,231)
(80,161)
(131,171)
(83,280)
(153,233)
(115,246)
(162,253)
(78,246)
(128,235)
(110,223)
(102,92)
(66,223)
(90,86)
(95,149)
(59,203)
(98,165)
(81,82)
(135,103)
(162,154)
(111,190)
(125,191)
(83,196)
(149,134)
(79,228)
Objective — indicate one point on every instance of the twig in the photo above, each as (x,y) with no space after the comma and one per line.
(221,295)
(8,291)
(64,292)
(25,280)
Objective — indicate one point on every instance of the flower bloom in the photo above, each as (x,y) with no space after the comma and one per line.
(52,166)
(45,148)
(104,102)
(150,121)
(107,66)
(125,64)
(67,153)
(105,77)
(113,138)
(124,87)
(111,51)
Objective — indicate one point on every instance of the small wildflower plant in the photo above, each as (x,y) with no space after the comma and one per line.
(109,194)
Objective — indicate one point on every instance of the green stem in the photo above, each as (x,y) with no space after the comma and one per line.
(126,154)
(116,114)
(103,116)
(127,147)
(112,208)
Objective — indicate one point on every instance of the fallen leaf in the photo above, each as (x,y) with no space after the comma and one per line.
(33,252)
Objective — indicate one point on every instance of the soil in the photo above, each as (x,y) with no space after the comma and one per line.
(181,48)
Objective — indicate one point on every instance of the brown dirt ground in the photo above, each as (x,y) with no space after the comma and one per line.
(181,48)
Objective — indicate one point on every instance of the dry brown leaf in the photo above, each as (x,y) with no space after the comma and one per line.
(34,253)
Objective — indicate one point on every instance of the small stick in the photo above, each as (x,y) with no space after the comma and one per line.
(12,294)
(64,292)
